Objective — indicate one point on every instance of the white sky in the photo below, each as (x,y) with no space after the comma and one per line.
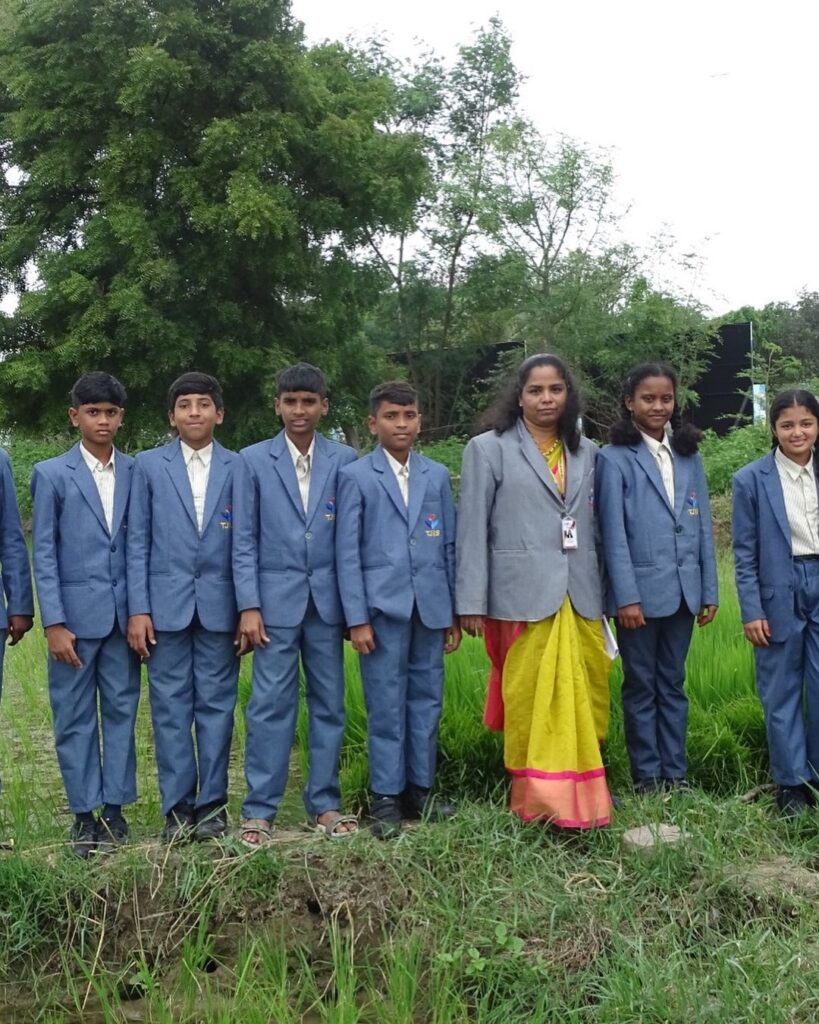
(707,109)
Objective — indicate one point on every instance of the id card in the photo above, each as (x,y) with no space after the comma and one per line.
(569,530)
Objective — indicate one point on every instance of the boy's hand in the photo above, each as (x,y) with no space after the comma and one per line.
(61,645)
(472,624)
(758,632)
(630,616)
(140,634)
(362,638)
(452,637)
(251,630)
(706,615)
(19,625)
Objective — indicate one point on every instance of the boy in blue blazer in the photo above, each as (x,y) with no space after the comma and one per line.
(395,550)
(285,573)
(78,526)
(182,608)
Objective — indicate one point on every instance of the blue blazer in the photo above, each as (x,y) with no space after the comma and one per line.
(19,599)
(282,557)
(655,555)
(391,557)
(79,567)
(172,570)
(763,555)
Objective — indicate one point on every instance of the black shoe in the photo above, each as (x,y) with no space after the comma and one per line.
(83,836)
(179,823)
(791,801)
(211,822)
(647,787)
(419,803)
(385,814)
(679,785)
(111,833)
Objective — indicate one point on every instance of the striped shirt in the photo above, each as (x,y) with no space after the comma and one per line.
(401,475)
(302,464)
(197,462)
(801,503)
(105,478)
(661,450)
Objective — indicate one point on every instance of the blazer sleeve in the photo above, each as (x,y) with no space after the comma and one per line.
(708,558)
(349,515)
(44,530)
(477,497)
(246,535)
(138,545)
(13,551)
(609,489)
(745,540)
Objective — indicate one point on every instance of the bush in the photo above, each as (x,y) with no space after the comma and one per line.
(24,452)
(723,456)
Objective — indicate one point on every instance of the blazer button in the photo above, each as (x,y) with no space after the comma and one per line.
(113,547)
(680,563)
(309,572)
(308,536)
(679,529)
(413,542)
(113,583)
(197,575)
(414,572)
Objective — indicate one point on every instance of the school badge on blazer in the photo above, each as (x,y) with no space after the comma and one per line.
(692,504)
(226,520)
(330,510)
(432,524)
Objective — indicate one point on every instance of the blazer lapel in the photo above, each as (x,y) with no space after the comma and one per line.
(649,466)
(323,456)
(122,489)
(682,483)
(86,485)
(773,488)
(417,488)
(575,466)
(216,480)
(178,472)
(388,481)
(283,462)
(531,453)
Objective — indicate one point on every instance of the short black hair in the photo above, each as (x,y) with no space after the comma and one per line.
(301,377)
(97,386)
(195,383)
(399,392)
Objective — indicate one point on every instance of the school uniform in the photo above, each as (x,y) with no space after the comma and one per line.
(776,557)
(180,573)
(78,528)
(658,549)
(16,597)
(396,565)
(284,565)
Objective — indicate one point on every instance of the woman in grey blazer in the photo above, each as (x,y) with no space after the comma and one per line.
(528,582)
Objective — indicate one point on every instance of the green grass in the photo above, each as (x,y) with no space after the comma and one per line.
(481,919)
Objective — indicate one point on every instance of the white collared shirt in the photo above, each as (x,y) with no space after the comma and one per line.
(801,503)
(303,465)
(197,462)
(664,457)
(105,477)
(401,475)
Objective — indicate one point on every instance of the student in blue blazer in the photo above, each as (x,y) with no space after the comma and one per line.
(395,550)
(182,607)
(287,592)
(78,525)
(776,555)
(17,609)
(658,549)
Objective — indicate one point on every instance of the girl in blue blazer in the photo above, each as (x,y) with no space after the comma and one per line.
(658,550)
(776,557)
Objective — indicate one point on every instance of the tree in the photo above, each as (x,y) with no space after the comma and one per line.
(194,185)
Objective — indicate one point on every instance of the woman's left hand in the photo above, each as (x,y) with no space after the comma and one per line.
(706,614)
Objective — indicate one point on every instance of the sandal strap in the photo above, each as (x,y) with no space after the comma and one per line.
(331,828)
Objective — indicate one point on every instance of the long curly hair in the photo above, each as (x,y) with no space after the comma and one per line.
(505,411)
(685,437)
(787,400)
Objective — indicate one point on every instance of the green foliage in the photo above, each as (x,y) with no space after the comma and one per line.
(24,452)
(723,456)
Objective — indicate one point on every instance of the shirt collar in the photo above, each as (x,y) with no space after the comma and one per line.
(793,469)
(94,463)
(654,445)
(295,454)
(205,454)
(396,466)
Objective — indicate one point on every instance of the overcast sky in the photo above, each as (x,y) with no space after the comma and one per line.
(707,108)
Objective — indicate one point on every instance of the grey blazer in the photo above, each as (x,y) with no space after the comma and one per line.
(510,558)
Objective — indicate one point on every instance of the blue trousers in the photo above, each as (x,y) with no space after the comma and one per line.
(272,712)
(94,710)
(193,678)
(787,681)
(403,689)
(655,707)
